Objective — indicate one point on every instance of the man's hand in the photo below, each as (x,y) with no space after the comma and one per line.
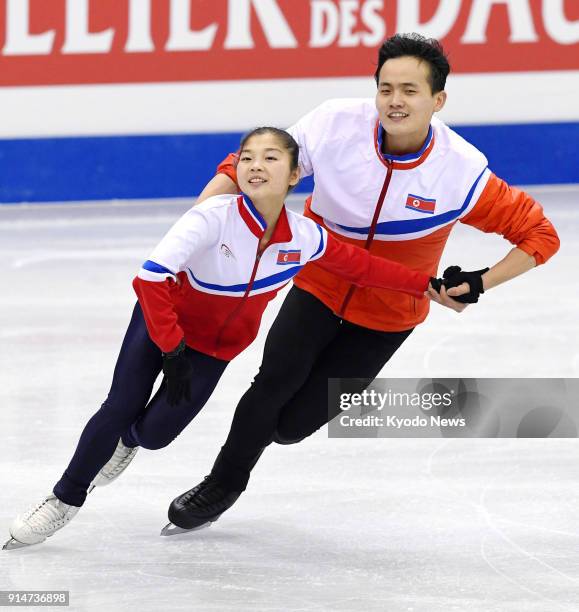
(444,298)
(454,276)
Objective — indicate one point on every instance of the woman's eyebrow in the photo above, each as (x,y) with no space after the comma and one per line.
(268,149)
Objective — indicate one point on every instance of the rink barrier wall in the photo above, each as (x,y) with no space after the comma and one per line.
(84,84)
(179,165)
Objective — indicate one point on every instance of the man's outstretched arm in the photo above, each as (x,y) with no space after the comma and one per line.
(516,262)
(515,215)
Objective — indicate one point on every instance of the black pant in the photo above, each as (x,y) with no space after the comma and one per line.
(288,399)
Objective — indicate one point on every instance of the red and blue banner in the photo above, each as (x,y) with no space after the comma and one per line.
(144,41)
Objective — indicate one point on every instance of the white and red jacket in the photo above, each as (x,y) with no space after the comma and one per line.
(400,207)
(208,282)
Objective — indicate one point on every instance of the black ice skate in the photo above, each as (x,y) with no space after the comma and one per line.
(200,506)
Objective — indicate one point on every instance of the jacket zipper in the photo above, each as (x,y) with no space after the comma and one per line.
(371,233)
(234,312)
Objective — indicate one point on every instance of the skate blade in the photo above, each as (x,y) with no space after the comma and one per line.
(13,544)
(171,530)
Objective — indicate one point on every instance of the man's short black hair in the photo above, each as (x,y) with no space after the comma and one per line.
(416,45)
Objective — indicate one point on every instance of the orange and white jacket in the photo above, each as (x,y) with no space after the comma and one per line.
(400,207)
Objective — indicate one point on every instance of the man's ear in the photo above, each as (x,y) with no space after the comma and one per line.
(440,100)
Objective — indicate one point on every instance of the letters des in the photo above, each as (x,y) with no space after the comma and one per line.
(331,23)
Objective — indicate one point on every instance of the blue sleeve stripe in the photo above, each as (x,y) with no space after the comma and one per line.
(321,247)
(410,226)
(151,266)
(262,283)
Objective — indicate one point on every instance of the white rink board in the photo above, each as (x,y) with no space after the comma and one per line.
(178,108)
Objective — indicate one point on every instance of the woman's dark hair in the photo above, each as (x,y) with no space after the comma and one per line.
(416,45)
(285,138)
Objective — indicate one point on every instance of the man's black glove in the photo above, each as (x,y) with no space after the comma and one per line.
(177,370)
(454,276)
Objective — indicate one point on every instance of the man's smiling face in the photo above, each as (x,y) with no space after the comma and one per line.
(405,100)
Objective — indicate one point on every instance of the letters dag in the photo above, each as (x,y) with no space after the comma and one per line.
(331,21)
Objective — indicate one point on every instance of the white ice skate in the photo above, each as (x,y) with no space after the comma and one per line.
(40,522)
(115,466)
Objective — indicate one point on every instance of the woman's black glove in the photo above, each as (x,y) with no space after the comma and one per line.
(177,370)
(454,276)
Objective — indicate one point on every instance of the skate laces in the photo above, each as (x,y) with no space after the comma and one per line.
(122,455)
(210,493)
(190,498)
(36,517)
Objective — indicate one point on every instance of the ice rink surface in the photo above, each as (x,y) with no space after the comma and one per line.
(340,525)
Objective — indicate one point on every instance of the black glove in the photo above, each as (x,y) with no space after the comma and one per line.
(177,370)
(454,276)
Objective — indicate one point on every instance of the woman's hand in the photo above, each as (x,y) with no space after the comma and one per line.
(177,370)
(456,289)
(444,298)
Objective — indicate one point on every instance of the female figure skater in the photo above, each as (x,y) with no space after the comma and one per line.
(201,296)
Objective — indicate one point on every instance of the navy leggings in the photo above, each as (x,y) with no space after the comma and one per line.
(128,413)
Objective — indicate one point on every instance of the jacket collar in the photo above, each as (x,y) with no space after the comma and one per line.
(257,225)
(403,162)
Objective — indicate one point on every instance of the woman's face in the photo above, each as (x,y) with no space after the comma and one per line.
(263,171)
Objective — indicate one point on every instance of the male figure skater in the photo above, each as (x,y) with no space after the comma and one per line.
(390,177)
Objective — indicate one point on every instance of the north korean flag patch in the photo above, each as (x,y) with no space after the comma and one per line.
(420,204)
(285,258)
